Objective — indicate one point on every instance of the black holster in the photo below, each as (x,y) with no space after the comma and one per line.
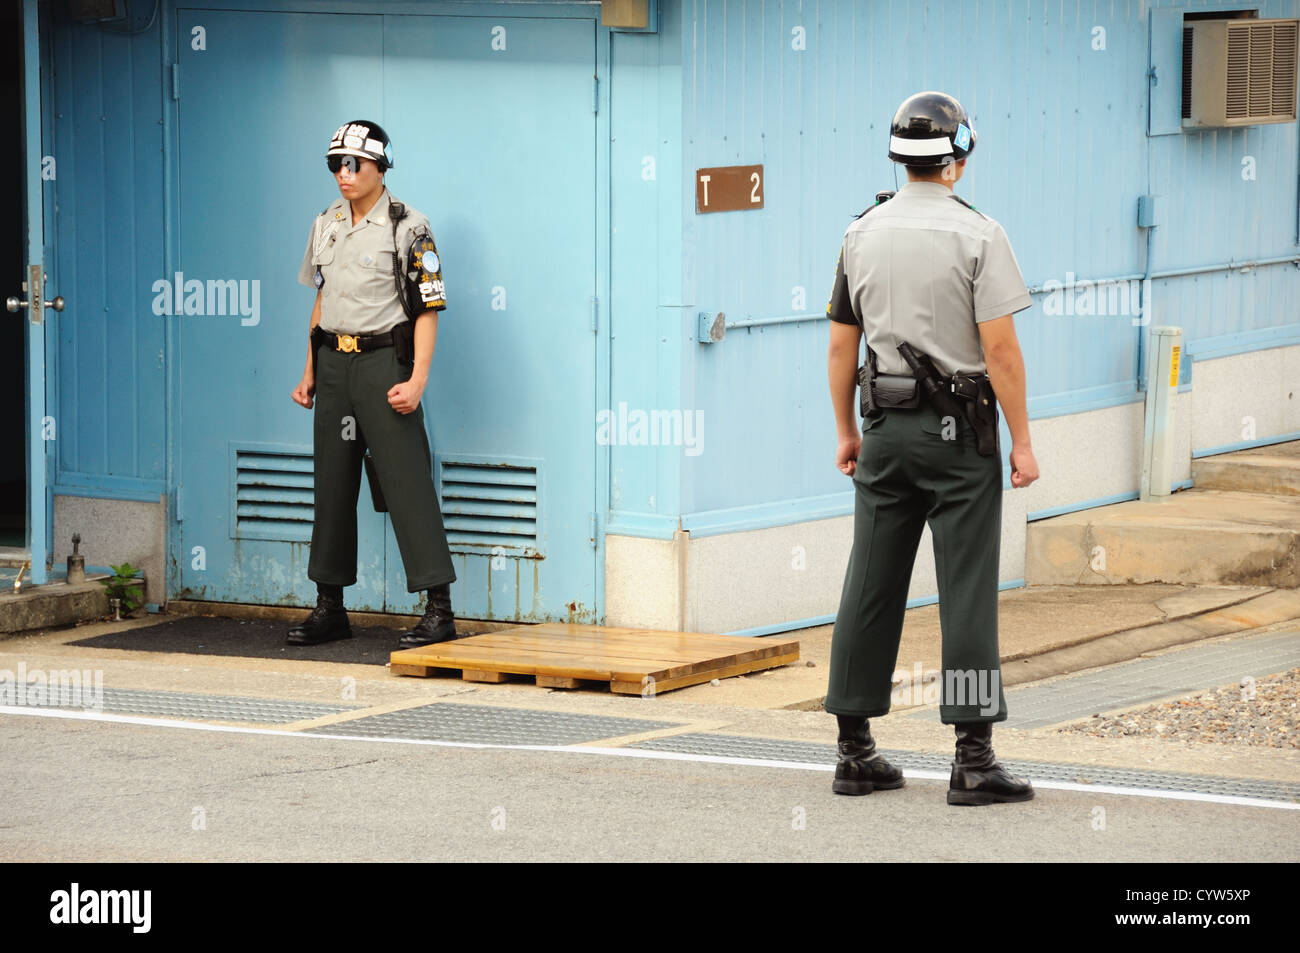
(982,414)
(958,396)
(404,342)
(317,338)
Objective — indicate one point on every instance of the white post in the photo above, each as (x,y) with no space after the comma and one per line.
(1163,353)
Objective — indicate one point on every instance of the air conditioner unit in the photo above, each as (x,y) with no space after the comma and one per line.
(1239,72)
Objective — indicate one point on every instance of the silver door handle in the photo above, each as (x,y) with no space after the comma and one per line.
(16,304)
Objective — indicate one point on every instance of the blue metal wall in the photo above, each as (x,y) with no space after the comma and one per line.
(1062,158)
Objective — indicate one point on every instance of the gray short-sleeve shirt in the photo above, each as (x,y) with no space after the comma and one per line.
(358,289)
(925,268)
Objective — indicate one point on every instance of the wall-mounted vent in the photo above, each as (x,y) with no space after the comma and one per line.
(273,496)
(490,507)
(1239,72)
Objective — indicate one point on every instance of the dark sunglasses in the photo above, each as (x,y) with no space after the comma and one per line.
(351,163)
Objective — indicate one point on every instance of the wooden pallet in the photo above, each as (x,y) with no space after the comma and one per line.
(630,661)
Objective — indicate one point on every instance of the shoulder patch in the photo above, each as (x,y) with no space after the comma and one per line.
(958,198)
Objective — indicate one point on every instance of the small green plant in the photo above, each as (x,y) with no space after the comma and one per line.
(125,585)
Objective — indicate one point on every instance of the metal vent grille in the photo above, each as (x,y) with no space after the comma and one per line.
(1187,72)
(1261,70)
(1286,40)
(273,495)
(490,507)
(1238,72)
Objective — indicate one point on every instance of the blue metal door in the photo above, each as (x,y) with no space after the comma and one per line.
(494,137)
(29,307)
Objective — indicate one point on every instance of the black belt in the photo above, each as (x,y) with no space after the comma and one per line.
(349,343)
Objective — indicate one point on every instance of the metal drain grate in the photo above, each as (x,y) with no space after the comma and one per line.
(1186,670)
(186,705)
(805,752)
(481,724)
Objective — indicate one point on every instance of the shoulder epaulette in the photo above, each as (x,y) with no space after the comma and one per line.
(958,198)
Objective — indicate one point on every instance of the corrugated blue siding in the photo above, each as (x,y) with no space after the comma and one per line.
(644,313)
(1062,158)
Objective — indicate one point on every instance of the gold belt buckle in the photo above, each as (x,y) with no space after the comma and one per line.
(347,343)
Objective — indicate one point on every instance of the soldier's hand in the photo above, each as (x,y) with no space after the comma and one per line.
(846,455)
(405,397)
(1024,468)
(303,393)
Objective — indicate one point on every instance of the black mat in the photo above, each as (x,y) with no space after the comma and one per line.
(251,638)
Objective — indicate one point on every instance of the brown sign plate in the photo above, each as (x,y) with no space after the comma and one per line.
(730,188)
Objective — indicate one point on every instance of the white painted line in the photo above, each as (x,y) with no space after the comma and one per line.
(918,774)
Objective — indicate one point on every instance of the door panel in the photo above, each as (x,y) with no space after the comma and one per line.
(497,147)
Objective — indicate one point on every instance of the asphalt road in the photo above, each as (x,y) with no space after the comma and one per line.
(100,791)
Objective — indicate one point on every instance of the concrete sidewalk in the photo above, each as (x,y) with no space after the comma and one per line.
(1043,631)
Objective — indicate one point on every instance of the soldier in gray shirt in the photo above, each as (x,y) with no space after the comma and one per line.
(925,270)
(379,289)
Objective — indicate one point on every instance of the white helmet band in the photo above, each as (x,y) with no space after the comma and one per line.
(938,146)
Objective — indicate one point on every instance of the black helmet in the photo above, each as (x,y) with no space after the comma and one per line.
(930,129)
(363,138)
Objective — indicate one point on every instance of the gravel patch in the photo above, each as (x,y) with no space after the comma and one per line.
(1225,715)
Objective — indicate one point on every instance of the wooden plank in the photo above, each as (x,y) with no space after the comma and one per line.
(557,681)
(648,653)
(616,633)
(648,657)
(608,633)
(478,675)
(658,642)
(624,687)
(406,668)
(593,666)
(590,667)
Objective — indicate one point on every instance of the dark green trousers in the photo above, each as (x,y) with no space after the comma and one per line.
(908,474)
(351,413)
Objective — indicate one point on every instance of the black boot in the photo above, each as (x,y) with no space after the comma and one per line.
(328,622)
(438,624)
(977,778)
(861,768)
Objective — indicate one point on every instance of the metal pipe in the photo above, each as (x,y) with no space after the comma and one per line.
(1066,286)
(762,322)
(170,344)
